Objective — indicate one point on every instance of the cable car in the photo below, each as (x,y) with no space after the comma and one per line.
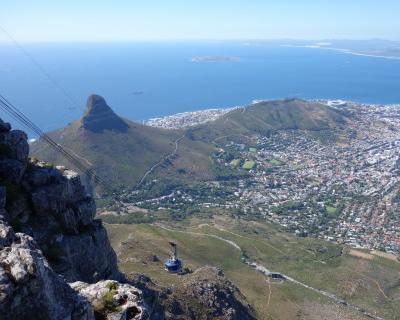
(173,264)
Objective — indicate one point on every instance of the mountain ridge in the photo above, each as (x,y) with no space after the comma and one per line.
(123,155)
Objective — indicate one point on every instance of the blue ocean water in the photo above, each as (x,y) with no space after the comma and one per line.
(145,80)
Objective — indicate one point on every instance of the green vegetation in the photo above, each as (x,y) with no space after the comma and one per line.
(276,162)
(235,163)
(331,210)
(288,206)
(112,285)
(297,166)
(105,305)
(317,263)
(265,117)
(248,165)
(130,218)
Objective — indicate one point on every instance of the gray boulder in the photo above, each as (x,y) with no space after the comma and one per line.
(113,300)
(29,288)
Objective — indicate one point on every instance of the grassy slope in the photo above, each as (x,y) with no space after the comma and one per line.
(123,158)
(265,117)
(319,264)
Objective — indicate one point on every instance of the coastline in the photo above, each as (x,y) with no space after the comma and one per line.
(347,51)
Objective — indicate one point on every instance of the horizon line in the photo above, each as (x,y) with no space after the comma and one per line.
(200,40)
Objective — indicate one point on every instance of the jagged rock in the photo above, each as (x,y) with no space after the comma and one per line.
(7,235)
(29,288)
(14,151)
(4,126)
(99,116)
(59,239)
(11,170)
(15,143)
(3,198)
(100,261)
(113,300)
(204,294)
(60,195)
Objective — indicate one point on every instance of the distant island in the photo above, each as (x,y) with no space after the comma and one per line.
(214,59)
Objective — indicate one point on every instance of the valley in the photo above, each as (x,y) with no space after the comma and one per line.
(360,286)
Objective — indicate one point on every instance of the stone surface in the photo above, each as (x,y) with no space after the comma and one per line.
(99,116)
(4,126)
(48,236)
(204,294)
(113,300)
(29,288)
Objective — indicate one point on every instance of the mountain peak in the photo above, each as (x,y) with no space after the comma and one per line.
(98,116)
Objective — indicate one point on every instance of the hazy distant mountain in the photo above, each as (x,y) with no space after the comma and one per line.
(125,152)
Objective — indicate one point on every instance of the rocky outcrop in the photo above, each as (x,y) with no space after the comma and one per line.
(29,288)
(49,237)
(114,300)
(99,116)
(205,294)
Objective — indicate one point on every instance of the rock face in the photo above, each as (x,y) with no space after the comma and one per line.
(122,299)
(217,295)
(29,288)
(205,294)
(99,116)
(48,237)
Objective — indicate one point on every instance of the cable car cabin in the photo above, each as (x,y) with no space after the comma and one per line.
(277,276)
(173,264)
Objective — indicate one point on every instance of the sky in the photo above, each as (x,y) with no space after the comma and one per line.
(148,20)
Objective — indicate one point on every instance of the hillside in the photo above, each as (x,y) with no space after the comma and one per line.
(324,280)
(121,151)
(127,153)
(267,116)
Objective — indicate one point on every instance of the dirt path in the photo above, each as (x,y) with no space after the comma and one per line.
(262,269)
(77,155)
(161,161)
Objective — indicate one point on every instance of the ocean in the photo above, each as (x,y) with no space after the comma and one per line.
(146,80)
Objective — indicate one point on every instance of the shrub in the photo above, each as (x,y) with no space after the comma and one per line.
(112,286)
(106,304)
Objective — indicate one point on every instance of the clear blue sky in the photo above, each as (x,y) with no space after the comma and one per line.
(107,20)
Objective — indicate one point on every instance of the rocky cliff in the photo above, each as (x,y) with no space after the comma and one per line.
(48,239)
